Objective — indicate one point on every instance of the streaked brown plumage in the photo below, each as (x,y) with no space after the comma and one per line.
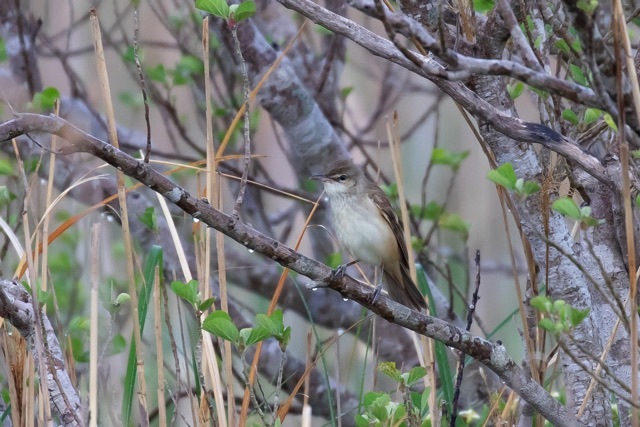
(367,227)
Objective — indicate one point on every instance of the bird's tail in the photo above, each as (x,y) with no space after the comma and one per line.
(403,290)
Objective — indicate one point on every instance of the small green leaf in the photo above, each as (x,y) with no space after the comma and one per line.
(515,90)
(219,324)
(562,46)
(540,303)
(570,116)
(592,222)
(547,324)
(148,218)
(504,175)
(483,6)
(591,115)
(541,93)
(254,336)
(3,50)
(218,8)
(122,298)
(6,167)
(440,156)
(334,260)
(637,200)
(530,187)
(186,291)
(431,211)
(390,370)
(577,75)
(609,121)
(453,222)
(345,92)
(130,56)
(266,323)
(5,196)
(204,305)
(45,100)
(118,344)
(245,10)
(416,374)
(566,206)
(390,190)
(157,74)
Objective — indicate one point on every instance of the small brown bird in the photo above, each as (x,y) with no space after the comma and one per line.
(369,229)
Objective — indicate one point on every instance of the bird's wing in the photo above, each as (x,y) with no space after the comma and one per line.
(389,214)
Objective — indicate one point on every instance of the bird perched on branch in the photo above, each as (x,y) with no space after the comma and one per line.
(369,229)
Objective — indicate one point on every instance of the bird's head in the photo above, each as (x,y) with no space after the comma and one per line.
(341,178)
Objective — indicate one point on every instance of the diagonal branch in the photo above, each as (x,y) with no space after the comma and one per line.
(494,356)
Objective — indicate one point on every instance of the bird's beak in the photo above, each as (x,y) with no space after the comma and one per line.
(322,178)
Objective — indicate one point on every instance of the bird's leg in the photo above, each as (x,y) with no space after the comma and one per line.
(378,273)
(338,273)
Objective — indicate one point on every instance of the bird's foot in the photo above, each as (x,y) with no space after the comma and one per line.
(337,274)
(376,294)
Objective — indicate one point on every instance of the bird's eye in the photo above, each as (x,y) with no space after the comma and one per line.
(342,177)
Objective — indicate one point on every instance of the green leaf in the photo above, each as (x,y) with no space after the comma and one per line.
(541,93)
(547,324)
(6,167)
(609,121)
(570,116)
(154,260)
(541,303)
(266,323)
(133,100)
(218,8)
(334,260)
(577,75)
(45,100)
(577,316)
(204,305)
(345,92)
(157,74)
(440,156)
(251,336)
(566,206)
(637,199)
(415,375)
(118,344)
(504,175)
(130,56)
(453,222)
(3,50)
(591,115)
(530,187)
(219,324)
(5,195)
(148,218)
(515,90)
(431,211)
(483,6)
(186,291)
(562,46)
(245,10)
(390,370)
(122,298)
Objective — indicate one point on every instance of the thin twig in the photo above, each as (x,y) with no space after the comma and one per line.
(136,55)
(247,125)
(461,355)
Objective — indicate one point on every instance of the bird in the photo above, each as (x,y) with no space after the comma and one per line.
(367,227)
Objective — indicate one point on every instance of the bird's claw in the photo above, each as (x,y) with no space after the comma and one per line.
(376,294)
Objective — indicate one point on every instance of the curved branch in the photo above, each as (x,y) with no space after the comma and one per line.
(494,356)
